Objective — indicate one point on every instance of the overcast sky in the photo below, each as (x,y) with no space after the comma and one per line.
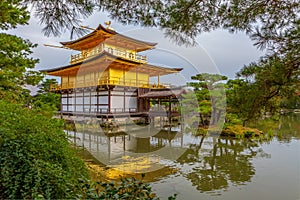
(217,52)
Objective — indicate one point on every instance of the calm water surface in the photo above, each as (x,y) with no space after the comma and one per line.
(205,167)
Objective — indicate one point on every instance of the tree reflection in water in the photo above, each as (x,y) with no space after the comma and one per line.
(285,128)
(217,163)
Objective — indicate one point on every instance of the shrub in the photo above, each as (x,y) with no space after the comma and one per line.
(126,188)
(239,131)
(36,160)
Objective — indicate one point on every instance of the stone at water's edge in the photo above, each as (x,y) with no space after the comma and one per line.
(235,131)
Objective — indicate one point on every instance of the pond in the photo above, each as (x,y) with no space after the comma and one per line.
(202,167)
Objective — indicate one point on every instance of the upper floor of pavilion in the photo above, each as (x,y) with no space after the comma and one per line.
(106,39)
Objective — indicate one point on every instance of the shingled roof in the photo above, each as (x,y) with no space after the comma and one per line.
(164,93)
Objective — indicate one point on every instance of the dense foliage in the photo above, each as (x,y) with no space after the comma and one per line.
(35,156)
(12,14)
(242,100)
(126,188)
(265,87)
(16,67)
(211,96)
(37,161)
(46,100)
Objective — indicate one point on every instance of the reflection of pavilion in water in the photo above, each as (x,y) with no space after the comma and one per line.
(145,150)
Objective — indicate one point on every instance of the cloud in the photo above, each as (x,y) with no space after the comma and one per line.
(229,51)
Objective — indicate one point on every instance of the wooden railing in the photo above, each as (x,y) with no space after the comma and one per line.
(112,81)
(111,110)
(116,52)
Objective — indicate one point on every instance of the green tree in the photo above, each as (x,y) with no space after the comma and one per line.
(45,99)
(241,100)
(60,15)
(13,13)
(292,102)
(262,87)
(210,92)
(16,67)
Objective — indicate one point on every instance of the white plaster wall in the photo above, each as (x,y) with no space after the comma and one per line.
(130,102)
(103,100)
(117,102)
(64,101)
(79,108)
(71,108)
(79,100)
(93,100)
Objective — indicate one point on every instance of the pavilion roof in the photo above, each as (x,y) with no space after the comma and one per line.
(109,36)
(163,93)
(104,60)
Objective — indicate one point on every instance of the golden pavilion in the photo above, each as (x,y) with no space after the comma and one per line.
(109,76)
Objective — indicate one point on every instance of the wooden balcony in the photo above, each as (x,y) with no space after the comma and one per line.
(114,51)
(111,81)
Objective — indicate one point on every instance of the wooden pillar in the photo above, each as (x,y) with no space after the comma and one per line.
(138,100)
(75,101)
(109,99)
(170,108)
(124,100)
(83,102)
(158,80)
(97,101)
(67,101)
(90,107)
(124,76)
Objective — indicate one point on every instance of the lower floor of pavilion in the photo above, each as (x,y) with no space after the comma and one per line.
(115,101)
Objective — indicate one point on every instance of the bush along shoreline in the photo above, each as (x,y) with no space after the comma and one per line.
(38,162)
(235,131)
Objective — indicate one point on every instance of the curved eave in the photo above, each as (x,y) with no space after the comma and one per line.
(99,28)
(143,44)
(111,61)
(161,71)
(102,34)
(59,71)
